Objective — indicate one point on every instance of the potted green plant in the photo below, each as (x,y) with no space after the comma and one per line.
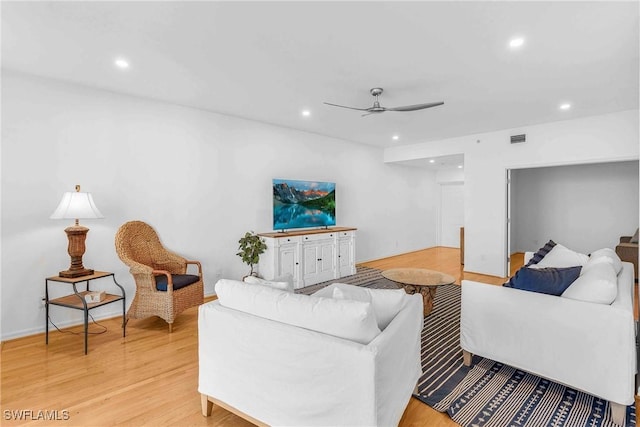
(251,246)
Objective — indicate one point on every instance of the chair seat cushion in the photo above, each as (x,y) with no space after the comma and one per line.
(179,281)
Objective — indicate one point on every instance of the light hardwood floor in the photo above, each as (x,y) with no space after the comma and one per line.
(150,377)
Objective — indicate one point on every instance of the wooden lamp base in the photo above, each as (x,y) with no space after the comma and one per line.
(77,235)
(70,274)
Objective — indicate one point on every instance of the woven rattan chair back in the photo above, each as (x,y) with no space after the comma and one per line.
(139,247)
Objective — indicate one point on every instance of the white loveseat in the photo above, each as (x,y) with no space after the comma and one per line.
(585,345)
(260,357)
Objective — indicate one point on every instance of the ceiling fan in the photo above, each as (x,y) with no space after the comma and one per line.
(377,108)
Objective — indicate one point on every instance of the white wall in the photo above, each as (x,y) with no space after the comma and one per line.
(583,207)
(448,176)
(451,214)
(487,156)
(201,179)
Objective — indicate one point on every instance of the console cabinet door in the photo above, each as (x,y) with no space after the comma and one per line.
(327,261)
(319,261)
(346,253)
(282,258)
(288,263)
(310,257)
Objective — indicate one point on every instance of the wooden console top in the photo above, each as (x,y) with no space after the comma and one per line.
(301,232)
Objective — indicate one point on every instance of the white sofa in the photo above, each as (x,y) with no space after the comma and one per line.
(283,373)
(585,345)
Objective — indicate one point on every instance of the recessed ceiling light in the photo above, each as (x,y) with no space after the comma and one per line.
(121,63)
(306,113)
(459,166)
(565,106)
(516,42)
(432,161)
(395,137)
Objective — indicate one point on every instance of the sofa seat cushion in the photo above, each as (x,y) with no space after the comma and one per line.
(179,281)
(348,319)
(552,281)
(598,283)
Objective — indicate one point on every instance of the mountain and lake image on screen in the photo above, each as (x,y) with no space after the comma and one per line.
(302,204)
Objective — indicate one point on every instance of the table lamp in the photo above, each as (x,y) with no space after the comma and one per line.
(76,205)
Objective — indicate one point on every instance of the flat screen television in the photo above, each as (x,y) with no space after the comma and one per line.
(303,204)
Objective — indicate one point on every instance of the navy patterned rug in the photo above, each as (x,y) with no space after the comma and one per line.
(488,393)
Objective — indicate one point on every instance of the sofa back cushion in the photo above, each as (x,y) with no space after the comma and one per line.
(598,283)
(561,257)
(607,254)
(349,319)
(386,302)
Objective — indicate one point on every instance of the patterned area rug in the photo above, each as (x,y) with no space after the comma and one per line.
(489,393)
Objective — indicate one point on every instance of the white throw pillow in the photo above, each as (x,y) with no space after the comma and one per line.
(598,284)
(594,261)
(349,319)
(386,302)
(326,292)
(354,294)
(282,285)
(609,254)
(560,257)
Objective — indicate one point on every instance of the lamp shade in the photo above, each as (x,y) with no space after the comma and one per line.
(76,205)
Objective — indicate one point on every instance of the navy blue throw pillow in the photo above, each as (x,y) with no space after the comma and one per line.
(552,281)
(540,253)
(179,281)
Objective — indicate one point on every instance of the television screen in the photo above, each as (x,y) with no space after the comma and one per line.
(300,204)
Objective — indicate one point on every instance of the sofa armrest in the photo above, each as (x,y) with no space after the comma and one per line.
(628,252)
(399,345)
(308,378)
(588,346)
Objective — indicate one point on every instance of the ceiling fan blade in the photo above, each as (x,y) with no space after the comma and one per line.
(344,106)
(370,113)
(415,107)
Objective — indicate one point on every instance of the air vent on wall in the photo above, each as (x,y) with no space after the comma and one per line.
(515,139)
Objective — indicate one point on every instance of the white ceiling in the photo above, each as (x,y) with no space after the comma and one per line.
(267,61)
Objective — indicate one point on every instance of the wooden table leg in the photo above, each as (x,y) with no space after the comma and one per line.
(428,296)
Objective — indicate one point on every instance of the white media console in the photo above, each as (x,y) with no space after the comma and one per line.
(309,256)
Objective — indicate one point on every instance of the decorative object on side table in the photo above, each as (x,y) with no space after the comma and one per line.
(251,246)
(76,205)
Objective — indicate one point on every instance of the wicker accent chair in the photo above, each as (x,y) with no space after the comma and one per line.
(163,288)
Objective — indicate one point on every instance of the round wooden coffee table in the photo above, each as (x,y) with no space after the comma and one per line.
(420,280)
